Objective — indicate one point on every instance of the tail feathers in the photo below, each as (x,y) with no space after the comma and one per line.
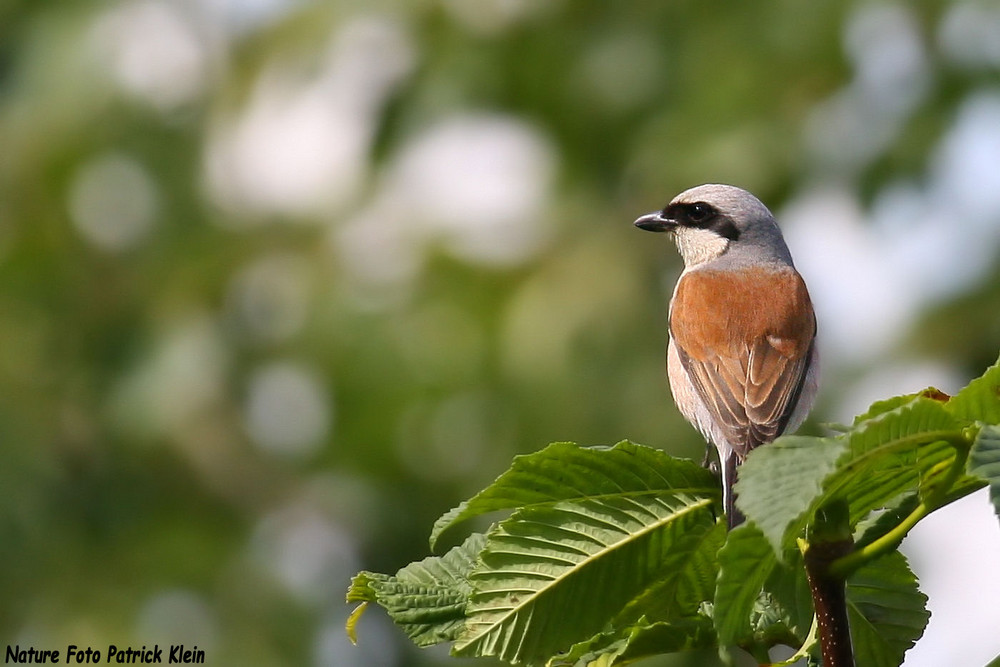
(733,516)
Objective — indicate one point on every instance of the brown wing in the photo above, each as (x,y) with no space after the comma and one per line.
(745,339)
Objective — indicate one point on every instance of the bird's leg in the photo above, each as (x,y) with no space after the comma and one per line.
(733,516)
(712,462)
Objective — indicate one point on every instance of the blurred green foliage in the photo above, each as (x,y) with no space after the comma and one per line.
(237,365)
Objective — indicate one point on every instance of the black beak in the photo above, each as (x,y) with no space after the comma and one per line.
(655,222)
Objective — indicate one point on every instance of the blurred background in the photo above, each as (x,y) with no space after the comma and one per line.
(282,281)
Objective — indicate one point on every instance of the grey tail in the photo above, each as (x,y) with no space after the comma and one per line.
(733,516)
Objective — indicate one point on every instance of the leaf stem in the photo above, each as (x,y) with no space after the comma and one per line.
(843,567)
(805,649)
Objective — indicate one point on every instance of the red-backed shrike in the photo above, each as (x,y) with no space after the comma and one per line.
(742,359)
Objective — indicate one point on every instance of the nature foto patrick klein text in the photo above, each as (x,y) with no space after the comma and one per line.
(177,654)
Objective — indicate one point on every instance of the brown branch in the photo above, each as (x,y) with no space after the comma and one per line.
(829,593)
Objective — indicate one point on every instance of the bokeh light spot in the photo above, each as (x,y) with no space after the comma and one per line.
(113,202)
(288,411)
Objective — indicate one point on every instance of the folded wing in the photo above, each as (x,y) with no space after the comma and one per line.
(745,340)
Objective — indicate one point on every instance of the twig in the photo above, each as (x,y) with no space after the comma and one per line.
(830,541)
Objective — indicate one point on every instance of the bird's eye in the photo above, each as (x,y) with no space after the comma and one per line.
(699,212)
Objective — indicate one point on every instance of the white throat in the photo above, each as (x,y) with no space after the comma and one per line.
(699,245)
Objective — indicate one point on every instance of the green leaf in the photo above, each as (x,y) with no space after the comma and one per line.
(566,471)
(984,461)
(887,612)
(426,599)
(916,417)
(686,585)
(905,449)
(760,602)
(779,482)
(887,405)
(980,400)
(788,590)
(881,407)
(745,563)
(554,575)
(898,450)
(696,580)
(643,640)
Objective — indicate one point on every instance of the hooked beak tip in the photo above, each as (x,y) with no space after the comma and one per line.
(655,222)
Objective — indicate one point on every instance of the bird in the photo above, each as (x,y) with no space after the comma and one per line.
(742,360)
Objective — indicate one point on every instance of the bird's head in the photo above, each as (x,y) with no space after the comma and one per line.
(709,221)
